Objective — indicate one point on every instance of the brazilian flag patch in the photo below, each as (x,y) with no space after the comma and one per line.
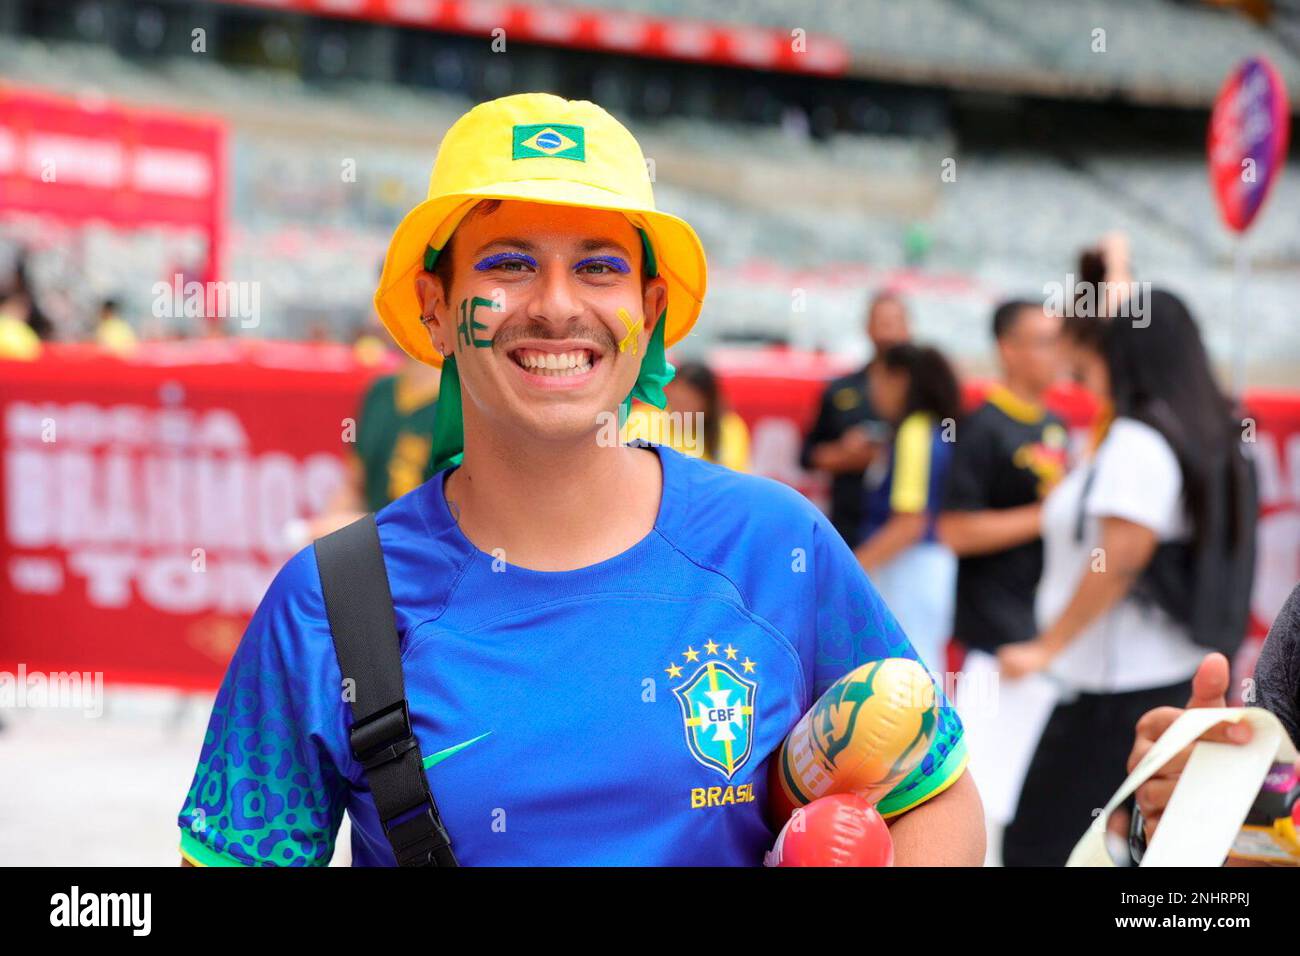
(549,140)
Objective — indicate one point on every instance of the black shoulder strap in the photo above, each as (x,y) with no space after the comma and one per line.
(359,605)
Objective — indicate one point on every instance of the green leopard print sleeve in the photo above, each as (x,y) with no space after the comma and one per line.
(266,792)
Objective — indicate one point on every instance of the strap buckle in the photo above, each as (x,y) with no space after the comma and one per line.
(420,840)
(383,736)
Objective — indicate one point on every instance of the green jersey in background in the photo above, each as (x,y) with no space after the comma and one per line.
(395,438)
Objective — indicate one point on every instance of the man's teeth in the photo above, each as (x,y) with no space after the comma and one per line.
(560,364)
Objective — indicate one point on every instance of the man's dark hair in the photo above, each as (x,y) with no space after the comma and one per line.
(442,268)
(1007,314)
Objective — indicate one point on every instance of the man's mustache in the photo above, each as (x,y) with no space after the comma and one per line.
(599,335)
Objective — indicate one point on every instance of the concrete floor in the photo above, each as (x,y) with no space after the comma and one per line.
(102,791)
(105,791)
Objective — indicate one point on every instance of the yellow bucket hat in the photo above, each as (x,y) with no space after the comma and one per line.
(537,147)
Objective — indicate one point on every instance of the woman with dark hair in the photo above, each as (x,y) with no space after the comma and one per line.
(914,389)
(1113,653)
(696,420)
(694,389)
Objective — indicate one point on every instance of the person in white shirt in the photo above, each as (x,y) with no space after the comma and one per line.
(1113,653)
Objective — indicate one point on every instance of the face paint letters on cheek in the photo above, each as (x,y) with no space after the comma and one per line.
(468,325)
(632,329)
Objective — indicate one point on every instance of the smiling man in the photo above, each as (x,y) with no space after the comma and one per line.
(602,644)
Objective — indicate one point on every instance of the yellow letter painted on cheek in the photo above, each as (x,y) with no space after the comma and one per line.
(632,329)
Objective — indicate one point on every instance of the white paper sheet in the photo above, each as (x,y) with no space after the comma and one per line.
(1003,721)
(1214,792)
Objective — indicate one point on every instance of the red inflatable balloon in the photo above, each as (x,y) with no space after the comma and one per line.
(842,829)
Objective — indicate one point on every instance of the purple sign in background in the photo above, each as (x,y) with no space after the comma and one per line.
(1251,122)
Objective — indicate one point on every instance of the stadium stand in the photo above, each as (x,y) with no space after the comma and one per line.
(995,42)
(786,219)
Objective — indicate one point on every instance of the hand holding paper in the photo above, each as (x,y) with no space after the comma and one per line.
(1210,802)
(1209,689)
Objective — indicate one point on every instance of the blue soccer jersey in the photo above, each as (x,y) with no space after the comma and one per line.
(623,713)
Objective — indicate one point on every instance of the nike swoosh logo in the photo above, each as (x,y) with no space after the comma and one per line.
(434,759)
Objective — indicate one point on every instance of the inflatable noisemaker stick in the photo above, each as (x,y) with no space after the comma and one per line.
(864,735)
(1203,823)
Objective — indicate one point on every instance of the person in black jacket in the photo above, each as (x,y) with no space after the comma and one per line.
(848,433)
(1277,672)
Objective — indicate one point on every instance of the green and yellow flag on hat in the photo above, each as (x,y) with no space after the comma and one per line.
(536,147)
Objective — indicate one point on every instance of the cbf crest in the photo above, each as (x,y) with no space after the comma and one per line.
(717,703)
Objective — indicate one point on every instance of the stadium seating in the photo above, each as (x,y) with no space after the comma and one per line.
(1153,48)
(797,231)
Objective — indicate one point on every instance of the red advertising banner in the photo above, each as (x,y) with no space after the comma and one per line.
(144,503)
(79,161)
(665,37)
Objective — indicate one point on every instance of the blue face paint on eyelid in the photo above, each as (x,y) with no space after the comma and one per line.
(617,263)
(499,257)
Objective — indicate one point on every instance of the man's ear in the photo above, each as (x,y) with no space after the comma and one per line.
(433,310)
(654,302)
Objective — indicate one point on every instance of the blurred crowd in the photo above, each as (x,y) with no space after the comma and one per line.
(985,531)
(26,319)
(977,517)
